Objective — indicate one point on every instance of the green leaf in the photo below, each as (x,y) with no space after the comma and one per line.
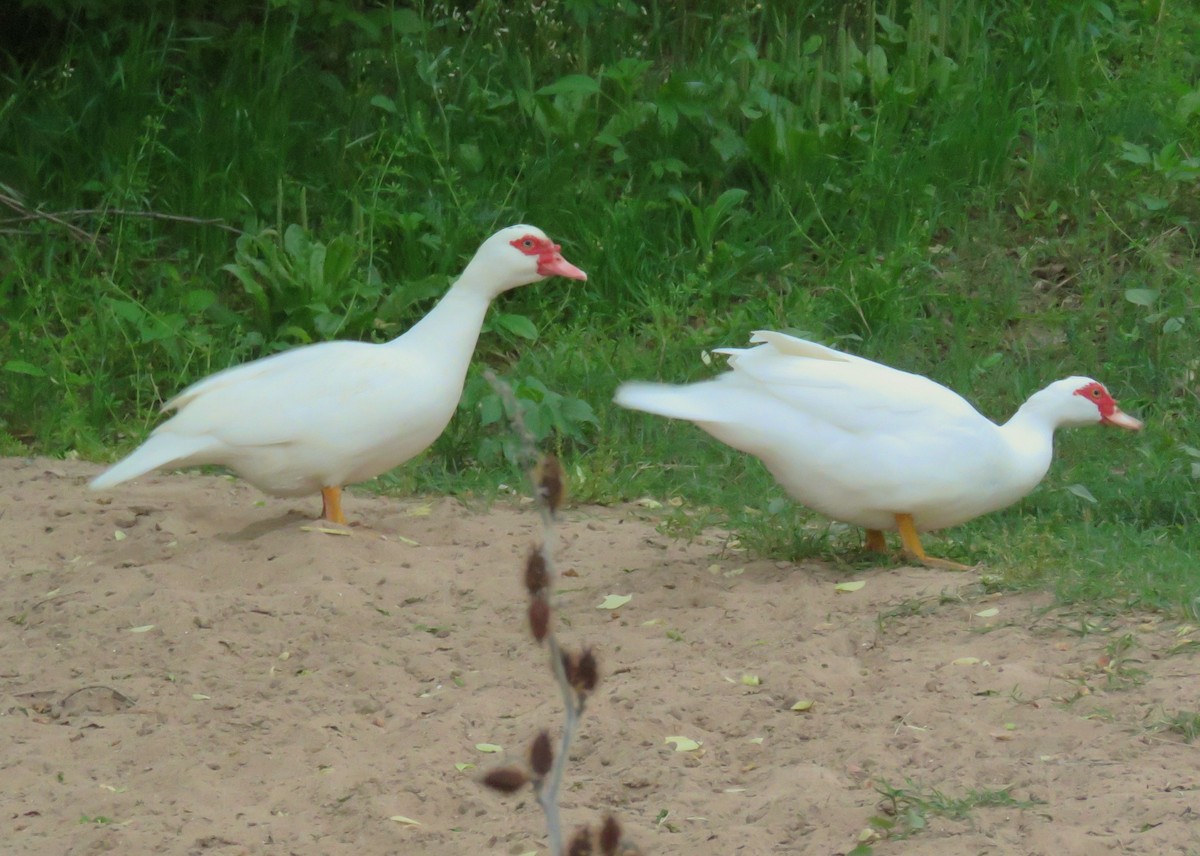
(22,367)
(1188,104)
(199,299)
(407,22)
(1134,153)
(572,84)
(1082,492)
(491,410)
(518,325)
(1141,296)
(383,103)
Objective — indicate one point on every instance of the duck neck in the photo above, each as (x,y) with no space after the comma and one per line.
(1030,435)
(451,329)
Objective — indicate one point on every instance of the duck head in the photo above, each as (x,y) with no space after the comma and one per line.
(519,255)
(1082,401)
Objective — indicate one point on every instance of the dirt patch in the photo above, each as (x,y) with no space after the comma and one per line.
(188,668)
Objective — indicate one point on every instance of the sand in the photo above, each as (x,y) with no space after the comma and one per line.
(189,667)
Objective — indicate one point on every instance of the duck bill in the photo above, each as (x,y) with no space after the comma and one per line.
(1122,420)
(553,264)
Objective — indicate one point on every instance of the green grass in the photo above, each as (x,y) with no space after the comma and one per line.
(906,809)
(994,196)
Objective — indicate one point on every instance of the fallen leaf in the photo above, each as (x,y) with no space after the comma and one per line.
(407,821)
(803,705)
(683,744)
(751,680)
(853,585)
(325,530)
(987,613)
(966,661)
(420,510)
(119,535)
(489,747)
(462,768)
(647,502)
(615,601)
(145,628)
(200,697)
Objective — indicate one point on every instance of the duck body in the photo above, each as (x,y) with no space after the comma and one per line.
(325,415)
(871,445)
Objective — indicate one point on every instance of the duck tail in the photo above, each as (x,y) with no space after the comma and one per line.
(158,450)
(698,402)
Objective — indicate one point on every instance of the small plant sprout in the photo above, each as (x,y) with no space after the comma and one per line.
(577,673)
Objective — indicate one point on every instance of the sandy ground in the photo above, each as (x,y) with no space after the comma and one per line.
(186,667)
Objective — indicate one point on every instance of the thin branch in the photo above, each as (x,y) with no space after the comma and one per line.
(78,213)
(15,204)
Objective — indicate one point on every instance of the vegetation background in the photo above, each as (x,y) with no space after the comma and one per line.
(994,194)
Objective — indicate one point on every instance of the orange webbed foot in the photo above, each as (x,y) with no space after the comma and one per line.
(914,550)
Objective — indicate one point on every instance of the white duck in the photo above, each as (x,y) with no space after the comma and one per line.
(321,416)
(874,446)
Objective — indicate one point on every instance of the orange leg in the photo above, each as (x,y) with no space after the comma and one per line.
(331,505)
(913,548)
(875,541)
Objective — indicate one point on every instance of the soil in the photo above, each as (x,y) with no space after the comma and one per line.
(189,667)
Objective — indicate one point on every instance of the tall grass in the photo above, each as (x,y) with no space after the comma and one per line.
(996,195)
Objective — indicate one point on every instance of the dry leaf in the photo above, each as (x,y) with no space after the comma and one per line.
(853,585)
(615,601)
(683,744)
(325,530)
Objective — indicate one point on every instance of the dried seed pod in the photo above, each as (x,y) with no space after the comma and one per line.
(551,486)
(610,836)
(537,575)
(587,672)
(539,617)
(541,754)
(506,779)
(569,667)
(581,843)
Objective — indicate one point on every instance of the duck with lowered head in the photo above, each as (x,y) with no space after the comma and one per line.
(875,446)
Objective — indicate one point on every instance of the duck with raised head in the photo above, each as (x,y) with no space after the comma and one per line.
(874,446)
(321,416)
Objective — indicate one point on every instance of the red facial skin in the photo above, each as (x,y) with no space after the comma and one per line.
(549,256)
(1110,414)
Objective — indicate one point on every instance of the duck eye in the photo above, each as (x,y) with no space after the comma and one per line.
(1095,393)
(527,243)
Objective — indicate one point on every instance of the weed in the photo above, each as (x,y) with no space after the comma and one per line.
(1184,723)
(905,810)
